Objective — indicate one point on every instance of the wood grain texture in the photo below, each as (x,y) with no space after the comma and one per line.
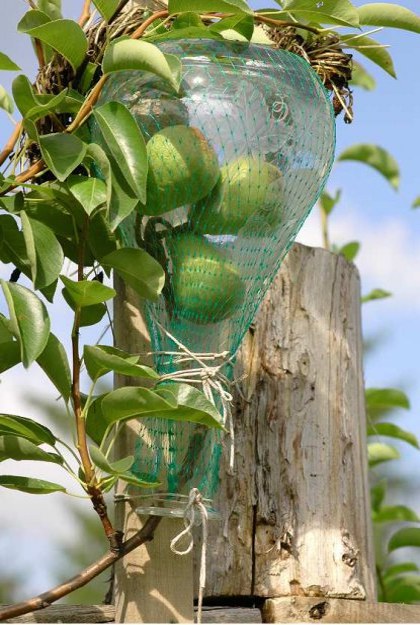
(296,511)
(314,610)
(152,584)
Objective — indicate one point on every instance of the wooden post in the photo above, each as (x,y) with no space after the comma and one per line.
(152,584)
(296,513)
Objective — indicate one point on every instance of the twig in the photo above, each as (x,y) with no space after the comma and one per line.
(92,487)
(141,29)
(54,594)
(10,145)
(272,22)
(85,16)
(39,51)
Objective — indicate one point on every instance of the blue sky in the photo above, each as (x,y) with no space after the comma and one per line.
(370,211)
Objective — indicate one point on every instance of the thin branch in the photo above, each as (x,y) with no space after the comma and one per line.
(85,16)
(58,592)
(10,145)
(141,29)
(268,20)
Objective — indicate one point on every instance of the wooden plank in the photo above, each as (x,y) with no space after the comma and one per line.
(296,513)
(152,584)
(106,614)
(325,610)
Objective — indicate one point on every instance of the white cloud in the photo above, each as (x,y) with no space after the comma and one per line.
(389,257)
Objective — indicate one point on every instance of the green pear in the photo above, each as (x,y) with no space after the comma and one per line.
(248,187)
(207,287)
(183,168)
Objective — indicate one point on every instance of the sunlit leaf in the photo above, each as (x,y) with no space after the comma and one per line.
(30,485)
(106,8)
(113,468)
(6,102)
(350,250)
(393,431)
(416,202)
(62,153)
(372,50)
(326,12)
(386,398)
(375,294)
(6,63)
(52,8)
(87,293)
(405,537)
(27,428)
(101,359)
(54,362)
(17,448)
(395,514)
(380,452)
(209,6)
(65,36)
(389,15)
(31,324)
(89,192)
(43,250)
(138,269)
(125,142)
(131,54)
(361,78)
(328,202)
(375,157)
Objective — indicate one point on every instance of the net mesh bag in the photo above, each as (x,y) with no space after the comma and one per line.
(237,159)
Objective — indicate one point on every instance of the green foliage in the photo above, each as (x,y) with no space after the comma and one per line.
(375,157)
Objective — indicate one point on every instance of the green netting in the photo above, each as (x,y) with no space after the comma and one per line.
(236,161)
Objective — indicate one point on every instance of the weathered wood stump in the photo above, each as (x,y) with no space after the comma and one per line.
(296,512)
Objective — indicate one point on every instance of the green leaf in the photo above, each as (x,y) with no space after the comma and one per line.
(242,24)
(389,15)
(16,448)
(397,569)
(6,102)
(395,514)
(124,403)
(377,495)
(393,431)
(126,143)
(34,107)
(138,269)
(375,157)
(326,12)
(32,19)
(379,452)
(372,50)
(405,537)
(350,250)
(113,468)
(416,202)
(23,94)
(404,589)
(62,153)
(44,252)
(9,355)
(378,398)
(328,202)
(31,324)
(361,78)
(131,478)
(193,405)
(85,293)
(187,19)
(89,192)
(30,485)
(65,36)
(209,6)
(375,294)
(52,8)
(54,362)
(89,315)
(26,428)
(101,239)
(106,8)
(130,54)
(101,359)
(6,64)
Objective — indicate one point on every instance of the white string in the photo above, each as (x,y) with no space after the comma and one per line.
(195,503)
(210,378)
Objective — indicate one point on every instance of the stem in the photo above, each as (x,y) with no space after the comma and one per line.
(268,20)
(324,228)
(92,487)
(85,16)
(9,147)
(54,594)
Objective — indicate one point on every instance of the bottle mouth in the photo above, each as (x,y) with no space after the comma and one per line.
(171,505)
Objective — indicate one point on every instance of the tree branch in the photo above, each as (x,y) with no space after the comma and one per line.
(84,18)
(54,594)
(10,145)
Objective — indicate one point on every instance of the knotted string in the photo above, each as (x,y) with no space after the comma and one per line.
(213,381)
(195,504)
